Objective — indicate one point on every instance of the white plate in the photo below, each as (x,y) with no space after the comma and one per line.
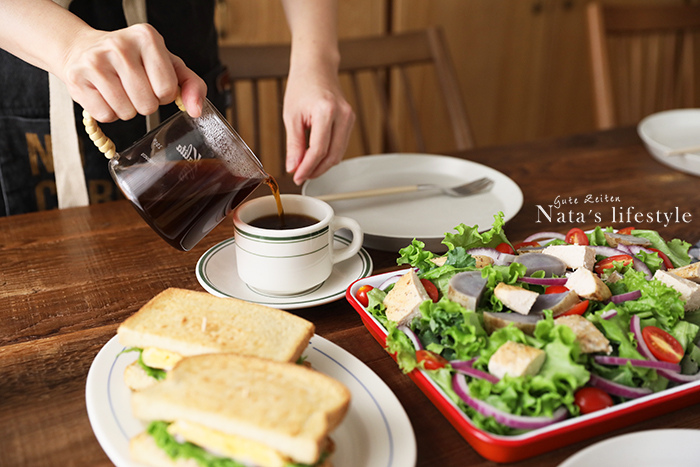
(376,431)
(218,274)
(653,448)
(392,222)
(673,129)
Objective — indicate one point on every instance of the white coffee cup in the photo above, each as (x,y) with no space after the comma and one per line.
(290,261)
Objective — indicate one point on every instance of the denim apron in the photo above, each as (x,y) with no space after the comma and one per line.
(27,166)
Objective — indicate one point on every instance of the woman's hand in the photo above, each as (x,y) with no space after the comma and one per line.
(119,74)
(314,105)
(313,101)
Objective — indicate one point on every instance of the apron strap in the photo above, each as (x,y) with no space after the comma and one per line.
(71,188)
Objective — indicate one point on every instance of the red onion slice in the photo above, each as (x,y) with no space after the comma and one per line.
(546,235)
(623,297)
(636,328)
(607,251)
(520,422)
(412,336)
(617,389)
(635,249)
(625,249)
(640,266)
(676,377)
(608,314)
(544,280)
(654,364)
(465,367)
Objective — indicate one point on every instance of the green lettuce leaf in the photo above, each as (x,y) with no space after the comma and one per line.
(658,299)
(416,255)
(676,249)
(447,328)
(469,237)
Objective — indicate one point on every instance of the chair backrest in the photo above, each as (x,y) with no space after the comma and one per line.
(642,60)
(376,75)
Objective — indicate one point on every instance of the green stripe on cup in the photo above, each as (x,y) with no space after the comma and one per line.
(292,239)
(278,256)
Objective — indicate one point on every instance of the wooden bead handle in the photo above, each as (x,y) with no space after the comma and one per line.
(105,145)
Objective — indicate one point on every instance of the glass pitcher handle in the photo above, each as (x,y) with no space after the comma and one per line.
(105,145)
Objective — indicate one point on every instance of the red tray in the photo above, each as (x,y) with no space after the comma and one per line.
(500,448)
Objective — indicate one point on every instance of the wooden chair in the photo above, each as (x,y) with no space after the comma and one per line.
(642,60)
(381,63)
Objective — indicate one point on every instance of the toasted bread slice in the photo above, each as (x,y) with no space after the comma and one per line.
(286,406)
(192,323)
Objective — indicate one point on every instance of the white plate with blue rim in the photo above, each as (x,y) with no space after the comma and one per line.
(217,273)
(376,431)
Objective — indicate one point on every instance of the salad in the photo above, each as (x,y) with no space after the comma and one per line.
(520,336)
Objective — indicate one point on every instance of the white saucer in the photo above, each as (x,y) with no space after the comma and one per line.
(217,273)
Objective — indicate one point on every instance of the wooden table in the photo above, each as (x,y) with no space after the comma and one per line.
(69,277)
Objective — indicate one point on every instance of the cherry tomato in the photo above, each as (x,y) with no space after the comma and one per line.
(576,236)
(431,289)
(607,263)
(667,262)
(431,360)
(578,309)
(520,245)
(589,399)
(626,230)
(663,345)
(556,289)
(361,294)
(505,248)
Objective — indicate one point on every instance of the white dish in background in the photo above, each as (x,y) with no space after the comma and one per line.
(652,448)
(376,431)
(391,222)
(217,272)
(673,129)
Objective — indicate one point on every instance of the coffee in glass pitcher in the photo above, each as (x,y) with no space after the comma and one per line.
(187,175)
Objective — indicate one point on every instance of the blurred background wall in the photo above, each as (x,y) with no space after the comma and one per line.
(523,65)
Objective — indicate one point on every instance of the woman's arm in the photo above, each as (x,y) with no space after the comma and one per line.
(313,99)
(112,75)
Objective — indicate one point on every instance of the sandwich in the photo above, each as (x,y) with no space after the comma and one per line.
(179,323)
(237,411)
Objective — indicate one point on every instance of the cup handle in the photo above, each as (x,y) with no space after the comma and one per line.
(104,144)
(341,254)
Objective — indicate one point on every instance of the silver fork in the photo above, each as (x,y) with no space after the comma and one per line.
(471,188)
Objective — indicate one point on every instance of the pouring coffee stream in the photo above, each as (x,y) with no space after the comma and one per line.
(185,176)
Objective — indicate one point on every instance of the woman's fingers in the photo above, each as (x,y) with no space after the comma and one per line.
(119,74)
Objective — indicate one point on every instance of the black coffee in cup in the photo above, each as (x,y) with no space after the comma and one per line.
(286,221)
